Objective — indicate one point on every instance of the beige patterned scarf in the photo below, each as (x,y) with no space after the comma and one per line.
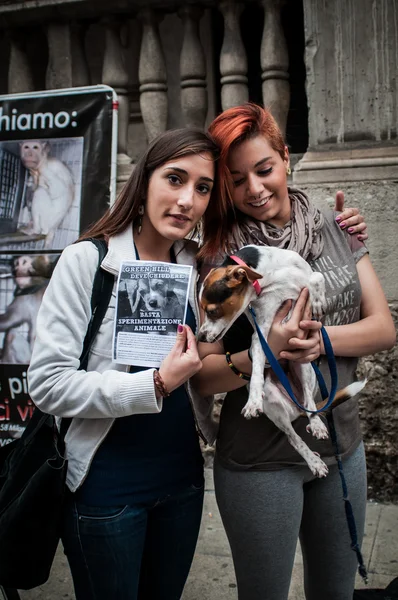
(303,233)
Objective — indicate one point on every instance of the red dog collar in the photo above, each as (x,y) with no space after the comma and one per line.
(256,285)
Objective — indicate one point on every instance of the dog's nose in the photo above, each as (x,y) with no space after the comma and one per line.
(153,303)
(202,337)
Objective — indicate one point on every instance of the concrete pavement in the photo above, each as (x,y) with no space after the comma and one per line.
(212,574)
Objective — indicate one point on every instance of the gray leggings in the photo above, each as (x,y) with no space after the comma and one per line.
(264,513)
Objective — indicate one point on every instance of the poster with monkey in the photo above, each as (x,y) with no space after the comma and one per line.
(48,180)
(57,175)
(57,165)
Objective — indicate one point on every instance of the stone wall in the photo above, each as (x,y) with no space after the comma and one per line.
(379,418)
(378,202)
(351,53)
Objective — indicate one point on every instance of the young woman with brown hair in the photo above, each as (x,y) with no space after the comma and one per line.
(135,470)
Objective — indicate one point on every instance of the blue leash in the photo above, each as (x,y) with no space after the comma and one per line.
(347,504)
(279,372)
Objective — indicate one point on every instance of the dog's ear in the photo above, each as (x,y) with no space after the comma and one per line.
(208,275)
(241,272)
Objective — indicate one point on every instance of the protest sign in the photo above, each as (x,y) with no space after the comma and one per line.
(57,165)
(57,175)
(151,302)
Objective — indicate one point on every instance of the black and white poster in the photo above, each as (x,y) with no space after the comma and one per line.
(151,302)
(57,165)
(44,177)
(23,281)
(16,407)
(57,176)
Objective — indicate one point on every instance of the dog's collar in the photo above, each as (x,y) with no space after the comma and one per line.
(256,285)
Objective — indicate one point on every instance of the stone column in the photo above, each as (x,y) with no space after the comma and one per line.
(193,69)
(136,131)
(80,69)
(19,72)
(275,63)
(152,76)
(114,74)
(59,68)
(233,61)
(133,53)
(351,60)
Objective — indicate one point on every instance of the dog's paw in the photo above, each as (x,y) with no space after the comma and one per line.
(318,310)
(317,295)
(252,409)
(318,428)
(317,466)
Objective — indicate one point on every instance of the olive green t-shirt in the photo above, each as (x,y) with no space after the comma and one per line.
(257,444)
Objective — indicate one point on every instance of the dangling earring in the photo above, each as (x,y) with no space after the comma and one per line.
(141,214)
(196,234)
(288,171)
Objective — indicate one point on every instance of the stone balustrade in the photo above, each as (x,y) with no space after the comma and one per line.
(19,73)
(152,76)
(115,74)
(193,69)
(59,67)
(145,66)
(233,62)
(275,63)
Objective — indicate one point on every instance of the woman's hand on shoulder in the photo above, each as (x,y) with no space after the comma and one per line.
(350,219)
(296,339)
(183,360)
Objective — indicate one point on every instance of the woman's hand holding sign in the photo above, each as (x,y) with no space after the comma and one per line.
(182,361)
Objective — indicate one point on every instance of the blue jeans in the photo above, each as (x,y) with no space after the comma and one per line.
(139,552)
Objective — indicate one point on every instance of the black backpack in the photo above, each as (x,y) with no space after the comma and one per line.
(33,471)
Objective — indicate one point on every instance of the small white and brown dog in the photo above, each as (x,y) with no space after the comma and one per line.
(265,278)
(153,295)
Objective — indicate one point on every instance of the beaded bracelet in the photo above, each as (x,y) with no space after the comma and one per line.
(160,385)
(234,369)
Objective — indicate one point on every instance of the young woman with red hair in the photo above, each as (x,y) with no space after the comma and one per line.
(268,497)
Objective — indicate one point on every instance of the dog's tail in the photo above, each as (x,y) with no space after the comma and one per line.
(345,394)
(341,396)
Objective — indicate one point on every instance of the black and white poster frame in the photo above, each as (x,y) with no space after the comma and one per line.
(58,151)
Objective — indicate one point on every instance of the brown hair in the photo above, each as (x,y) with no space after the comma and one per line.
(170,145)
(228,130)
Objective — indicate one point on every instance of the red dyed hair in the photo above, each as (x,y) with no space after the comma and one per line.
(228,130)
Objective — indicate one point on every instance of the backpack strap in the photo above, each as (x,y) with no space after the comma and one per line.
(100,298)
